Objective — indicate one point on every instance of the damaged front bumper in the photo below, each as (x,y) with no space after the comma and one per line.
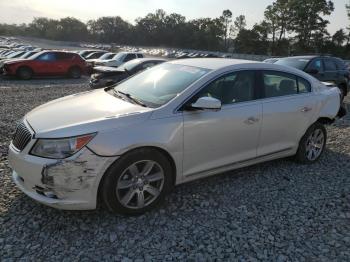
(70,184)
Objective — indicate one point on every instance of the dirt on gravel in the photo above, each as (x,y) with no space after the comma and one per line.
(276,211)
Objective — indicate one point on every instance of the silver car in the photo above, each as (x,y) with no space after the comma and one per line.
(176,122)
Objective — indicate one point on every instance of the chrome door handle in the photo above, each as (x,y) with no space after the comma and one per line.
(251,120)
(306,109)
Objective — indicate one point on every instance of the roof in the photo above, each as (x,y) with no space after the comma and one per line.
(212,63)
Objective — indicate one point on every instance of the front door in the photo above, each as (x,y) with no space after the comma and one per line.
(214,139)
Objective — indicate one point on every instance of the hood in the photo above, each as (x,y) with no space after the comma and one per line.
(82,113)
(3,61)
(15,60)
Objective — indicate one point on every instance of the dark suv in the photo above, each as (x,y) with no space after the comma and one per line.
(324,68)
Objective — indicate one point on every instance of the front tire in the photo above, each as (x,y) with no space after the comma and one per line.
(137,182)
(312,144)
(24,73)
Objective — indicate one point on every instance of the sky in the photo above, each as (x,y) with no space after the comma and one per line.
(23,11)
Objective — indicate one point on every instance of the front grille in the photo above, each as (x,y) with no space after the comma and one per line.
(21,137)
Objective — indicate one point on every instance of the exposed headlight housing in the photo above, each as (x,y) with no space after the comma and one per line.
(60,148)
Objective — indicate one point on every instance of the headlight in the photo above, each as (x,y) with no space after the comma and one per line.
(60,148)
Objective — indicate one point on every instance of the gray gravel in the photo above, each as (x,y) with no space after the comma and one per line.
(277,211)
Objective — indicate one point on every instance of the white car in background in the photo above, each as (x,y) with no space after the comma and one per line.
(104,57)
(119,59)
(171,124)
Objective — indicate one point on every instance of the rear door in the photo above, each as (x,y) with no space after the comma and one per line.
(64,62)
(330,70)
(288,105)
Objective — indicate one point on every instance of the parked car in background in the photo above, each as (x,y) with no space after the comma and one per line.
(106,76)
(171,124)
(47,63)
(102,58)
(85,53)
(95,55)
(271,60)
(324,68)
(120,59)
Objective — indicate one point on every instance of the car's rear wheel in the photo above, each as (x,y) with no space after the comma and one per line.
(312,144)
(342,89)
(74,72)
(137,182)
(24,73)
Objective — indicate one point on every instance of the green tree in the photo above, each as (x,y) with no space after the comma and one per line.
(308,22)
(227,20)
(339,37)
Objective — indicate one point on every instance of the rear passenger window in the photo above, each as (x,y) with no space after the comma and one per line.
(303,86)
(64,56)
(330,65)
(140,55)
(279,84)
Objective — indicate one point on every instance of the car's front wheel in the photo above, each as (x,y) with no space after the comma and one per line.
(24,73)
(137,182)
(312,144)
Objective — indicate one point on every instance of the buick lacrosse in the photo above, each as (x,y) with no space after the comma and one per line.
(179,121)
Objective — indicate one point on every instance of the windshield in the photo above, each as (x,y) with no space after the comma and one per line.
(107,56)
(15,54)
(131,64)
(35,56)
(299,63)
(158,85)
(28,54)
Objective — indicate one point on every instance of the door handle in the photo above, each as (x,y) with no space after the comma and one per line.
(251,120)
(306,109)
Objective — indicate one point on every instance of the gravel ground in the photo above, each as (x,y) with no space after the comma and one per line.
(276,211)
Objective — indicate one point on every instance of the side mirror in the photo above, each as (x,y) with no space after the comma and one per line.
(207,103)
(312,71)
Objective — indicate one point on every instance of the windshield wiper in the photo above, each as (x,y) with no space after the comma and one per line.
(130,97)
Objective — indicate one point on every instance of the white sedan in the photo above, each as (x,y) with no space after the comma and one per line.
(176,122)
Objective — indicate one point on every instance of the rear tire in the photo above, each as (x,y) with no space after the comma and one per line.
(342,93)
(137,182)
(74,72)
(312,144)
(24,73)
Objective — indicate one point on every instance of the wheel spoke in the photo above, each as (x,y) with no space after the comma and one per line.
(155,177)
(133,169)
(128,196)
(140,199)
(147,168)
(152,190)
(123,184)
(309,154)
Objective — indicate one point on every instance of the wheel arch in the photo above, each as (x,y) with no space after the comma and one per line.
(159,149)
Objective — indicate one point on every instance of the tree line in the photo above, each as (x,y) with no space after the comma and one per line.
(289,27)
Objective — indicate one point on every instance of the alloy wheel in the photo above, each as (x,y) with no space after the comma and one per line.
(314,144)
(140,184)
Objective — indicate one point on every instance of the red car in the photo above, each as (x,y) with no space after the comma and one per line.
(47,63)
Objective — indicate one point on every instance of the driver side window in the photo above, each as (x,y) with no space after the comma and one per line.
(232,88)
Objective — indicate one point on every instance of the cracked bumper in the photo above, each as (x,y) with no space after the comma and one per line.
(70,184)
